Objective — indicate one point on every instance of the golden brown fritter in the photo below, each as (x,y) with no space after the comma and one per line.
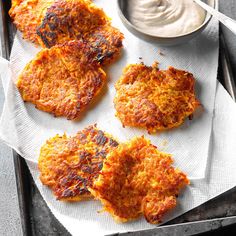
(68,165)
(137,179)
(27,15)
(55,22)
(81,20)
(69,19)
(154,99)
(62,80)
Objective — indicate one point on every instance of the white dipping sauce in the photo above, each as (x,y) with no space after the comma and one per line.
(165,18)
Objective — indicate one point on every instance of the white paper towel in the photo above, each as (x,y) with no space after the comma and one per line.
(188,144)
(24,128)
(83,219)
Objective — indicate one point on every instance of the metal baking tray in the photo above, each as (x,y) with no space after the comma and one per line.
(36,218)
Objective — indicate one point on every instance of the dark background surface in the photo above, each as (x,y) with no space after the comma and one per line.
(228,7)
(40,221)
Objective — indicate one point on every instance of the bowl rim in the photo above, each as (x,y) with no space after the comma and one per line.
(121,14)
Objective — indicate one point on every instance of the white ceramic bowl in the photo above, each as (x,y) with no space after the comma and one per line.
(167,41)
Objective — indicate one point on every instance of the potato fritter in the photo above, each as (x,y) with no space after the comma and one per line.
(62,80)
(137,179)
(69,19)
(27,15)
(81,20)
(68,165)
(55,22)
(154,99)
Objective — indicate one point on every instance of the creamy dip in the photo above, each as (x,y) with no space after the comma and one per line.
(165,18)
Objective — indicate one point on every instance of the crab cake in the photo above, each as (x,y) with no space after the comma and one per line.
(137,179)
(62,80)
(68,165)
(27,15)
(81,20)
(154,99)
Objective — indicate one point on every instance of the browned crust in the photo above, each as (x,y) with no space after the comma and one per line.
(68,165)
(27,15)
(66,20)
(154,99)
(62,80)
(137,179)
(107,43)
(81,20)
(55,22)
